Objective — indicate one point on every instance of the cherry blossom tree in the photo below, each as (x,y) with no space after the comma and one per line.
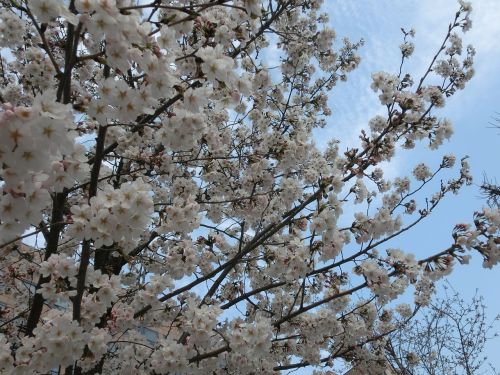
(157,172)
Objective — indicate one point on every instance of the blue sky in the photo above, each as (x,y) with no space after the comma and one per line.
(353,103)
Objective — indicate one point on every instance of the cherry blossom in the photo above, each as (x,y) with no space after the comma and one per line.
(164,207)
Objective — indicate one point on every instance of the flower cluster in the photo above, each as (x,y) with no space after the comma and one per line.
(171,357)
(10,29)
(387,83)
(62,271)
(254,337)
(201,321)
(58,342)
(107,289)
(39,156)
(114,216)
(422,172)
(290,263)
